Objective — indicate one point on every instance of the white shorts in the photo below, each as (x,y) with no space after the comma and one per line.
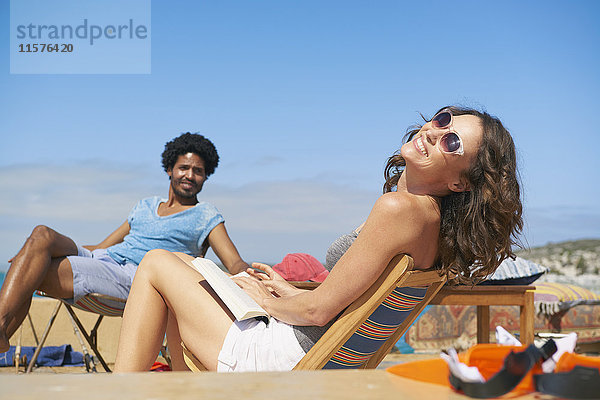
(252,345)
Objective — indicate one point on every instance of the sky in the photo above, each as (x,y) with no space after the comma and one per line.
(304,101)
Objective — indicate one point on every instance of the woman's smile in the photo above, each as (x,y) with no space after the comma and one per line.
(418,142)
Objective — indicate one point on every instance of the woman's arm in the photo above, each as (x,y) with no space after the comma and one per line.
(386,233)
(116,237)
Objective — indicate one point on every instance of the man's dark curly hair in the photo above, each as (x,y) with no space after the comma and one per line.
(478,227)
(191,143)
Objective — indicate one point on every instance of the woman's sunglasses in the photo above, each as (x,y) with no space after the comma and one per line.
(450,142)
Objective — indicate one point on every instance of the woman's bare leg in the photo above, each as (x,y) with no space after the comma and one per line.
(173,336)
(163,283)
(174,343)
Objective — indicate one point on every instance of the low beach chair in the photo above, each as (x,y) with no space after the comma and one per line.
(103,305)
(369,327)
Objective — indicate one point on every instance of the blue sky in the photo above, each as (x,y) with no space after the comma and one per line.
(304,101)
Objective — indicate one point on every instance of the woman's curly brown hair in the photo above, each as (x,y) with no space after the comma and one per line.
(478,228)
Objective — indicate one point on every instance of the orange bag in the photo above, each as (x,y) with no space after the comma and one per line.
(487,357)
(568,361)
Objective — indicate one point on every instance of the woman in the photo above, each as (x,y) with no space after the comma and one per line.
(451,200)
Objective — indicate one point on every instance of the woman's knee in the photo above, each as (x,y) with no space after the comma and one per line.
(154,261)
(184,257)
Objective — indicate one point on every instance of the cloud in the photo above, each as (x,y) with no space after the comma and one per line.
(269,161)
(560,223)
(89,193)
(298,206)
(265,219)
(270,219)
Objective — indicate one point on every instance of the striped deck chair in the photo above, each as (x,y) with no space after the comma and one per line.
(370,326)
(373,323)
(103,305)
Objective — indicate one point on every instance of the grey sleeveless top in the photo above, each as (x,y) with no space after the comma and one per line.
(309,335)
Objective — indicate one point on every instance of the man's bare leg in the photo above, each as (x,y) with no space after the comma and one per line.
(40,264)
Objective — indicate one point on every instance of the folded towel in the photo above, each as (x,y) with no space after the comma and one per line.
(551,298)
(50,356)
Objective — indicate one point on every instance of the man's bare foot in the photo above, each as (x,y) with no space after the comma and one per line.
(4,344)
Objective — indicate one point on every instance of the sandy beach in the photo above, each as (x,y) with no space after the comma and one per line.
(62,332)
(108,336)
(353,384)
(71,382)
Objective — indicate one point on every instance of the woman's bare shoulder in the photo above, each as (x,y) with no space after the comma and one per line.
(399,204)
(413,221)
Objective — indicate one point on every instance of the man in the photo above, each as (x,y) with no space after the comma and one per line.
(55,264)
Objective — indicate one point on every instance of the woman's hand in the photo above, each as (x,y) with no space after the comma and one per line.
(272,280)
(254,288)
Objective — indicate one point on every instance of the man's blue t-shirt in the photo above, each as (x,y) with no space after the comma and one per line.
(184,232)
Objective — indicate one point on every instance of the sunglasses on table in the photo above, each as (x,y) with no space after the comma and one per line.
(450,142)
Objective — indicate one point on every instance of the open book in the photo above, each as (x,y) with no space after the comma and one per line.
(239,303)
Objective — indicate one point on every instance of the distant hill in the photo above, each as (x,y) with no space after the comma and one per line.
(574,262)
(565,258)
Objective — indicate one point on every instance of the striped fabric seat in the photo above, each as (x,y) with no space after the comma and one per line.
(380,325)
(108,307)
(96,303)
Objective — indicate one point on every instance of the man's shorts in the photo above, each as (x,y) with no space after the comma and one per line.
(97,272)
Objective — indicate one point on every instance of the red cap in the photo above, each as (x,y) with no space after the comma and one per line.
(301,267)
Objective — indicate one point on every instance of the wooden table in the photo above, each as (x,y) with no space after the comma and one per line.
(485,296)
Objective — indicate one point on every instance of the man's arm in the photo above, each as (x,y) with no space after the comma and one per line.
(116,237)
(219,241)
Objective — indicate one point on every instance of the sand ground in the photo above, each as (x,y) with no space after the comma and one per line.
(62,333)
(108,336)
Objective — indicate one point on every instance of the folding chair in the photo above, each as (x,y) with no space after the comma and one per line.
(104,306)
(372,324)
(96,303)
